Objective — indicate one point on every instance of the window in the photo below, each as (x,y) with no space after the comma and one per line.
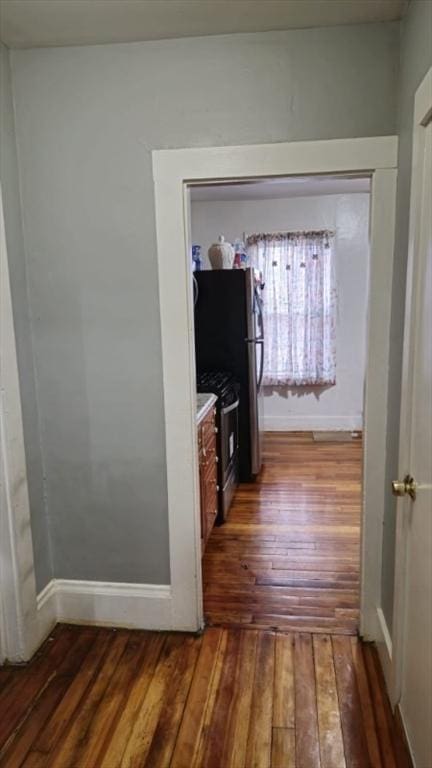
(299,306)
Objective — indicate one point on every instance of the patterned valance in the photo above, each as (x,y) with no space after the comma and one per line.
(321,235)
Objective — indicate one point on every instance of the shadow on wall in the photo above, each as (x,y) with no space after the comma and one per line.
(286,392)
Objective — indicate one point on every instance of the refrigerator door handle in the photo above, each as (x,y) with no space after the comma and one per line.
(261,371)
(260,341)
(254,336)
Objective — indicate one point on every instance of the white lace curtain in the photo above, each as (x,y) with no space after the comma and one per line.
(299,306)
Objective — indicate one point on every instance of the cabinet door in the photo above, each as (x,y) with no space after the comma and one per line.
(208,476)
(208,430)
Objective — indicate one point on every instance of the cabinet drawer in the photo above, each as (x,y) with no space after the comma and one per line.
(208,456)
(208,429)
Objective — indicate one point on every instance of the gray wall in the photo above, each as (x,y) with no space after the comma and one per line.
(87,120)
(416,58)
(18,278)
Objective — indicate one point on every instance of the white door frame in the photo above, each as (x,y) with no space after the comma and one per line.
(422,115)
(19,630)
(173,170)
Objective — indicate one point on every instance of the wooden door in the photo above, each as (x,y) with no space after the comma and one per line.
(412,658)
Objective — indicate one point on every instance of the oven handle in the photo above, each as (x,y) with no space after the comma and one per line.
(230,407)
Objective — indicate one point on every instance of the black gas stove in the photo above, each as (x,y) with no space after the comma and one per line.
(221,384)
(224,386)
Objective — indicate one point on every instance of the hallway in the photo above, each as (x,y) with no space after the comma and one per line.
(311,696)
(101,698)
(288,557)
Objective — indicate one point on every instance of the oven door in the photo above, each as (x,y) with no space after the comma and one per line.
(228,462)
(228,438)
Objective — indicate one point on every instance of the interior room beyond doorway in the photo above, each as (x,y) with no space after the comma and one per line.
(288,554)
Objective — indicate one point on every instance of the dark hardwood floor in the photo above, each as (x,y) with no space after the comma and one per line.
(238,696)
(289,555)
(231,698)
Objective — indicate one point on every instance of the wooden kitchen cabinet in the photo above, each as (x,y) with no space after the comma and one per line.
(208,475)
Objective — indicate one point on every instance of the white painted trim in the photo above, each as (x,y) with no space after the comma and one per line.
(139,606)
(47,609)
(172,171)
(422,111)
(270,160)
(385,651)
(308,423)
(407,738)
(19,629)
(382,234)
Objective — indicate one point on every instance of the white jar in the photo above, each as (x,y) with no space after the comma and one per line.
(221,254)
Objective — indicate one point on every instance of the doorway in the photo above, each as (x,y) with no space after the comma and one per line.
(286,554)
(174,171)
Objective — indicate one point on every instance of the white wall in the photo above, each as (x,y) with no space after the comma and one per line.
(340,406)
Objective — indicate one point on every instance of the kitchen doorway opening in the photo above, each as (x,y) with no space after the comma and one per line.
(280,270)
(175,171)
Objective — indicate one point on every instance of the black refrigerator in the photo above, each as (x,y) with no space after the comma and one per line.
(229,337)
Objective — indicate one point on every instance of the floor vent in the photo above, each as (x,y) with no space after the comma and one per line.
(339,436)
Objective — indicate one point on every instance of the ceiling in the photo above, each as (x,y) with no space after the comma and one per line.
(273,189)
(39,23)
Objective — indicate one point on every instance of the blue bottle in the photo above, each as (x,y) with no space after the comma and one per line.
(196,258)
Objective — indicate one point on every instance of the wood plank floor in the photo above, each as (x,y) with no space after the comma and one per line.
(231,698)
(288,556)
(306,695)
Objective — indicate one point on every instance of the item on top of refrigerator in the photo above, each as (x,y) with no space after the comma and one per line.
(241,257)
(196,258)
(221,254)
(237,261)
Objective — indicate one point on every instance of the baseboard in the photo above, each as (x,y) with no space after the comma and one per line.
(46,609)
(137,606)
(384,647)
(299,423)
(400,724)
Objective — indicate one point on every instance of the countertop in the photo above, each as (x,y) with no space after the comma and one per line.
(204,402)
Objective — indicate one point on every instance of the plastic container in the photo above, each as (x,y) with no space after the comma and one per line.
(196,258)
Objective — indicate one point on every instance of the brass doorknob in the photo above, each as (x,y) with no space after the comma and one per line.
(405,487)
